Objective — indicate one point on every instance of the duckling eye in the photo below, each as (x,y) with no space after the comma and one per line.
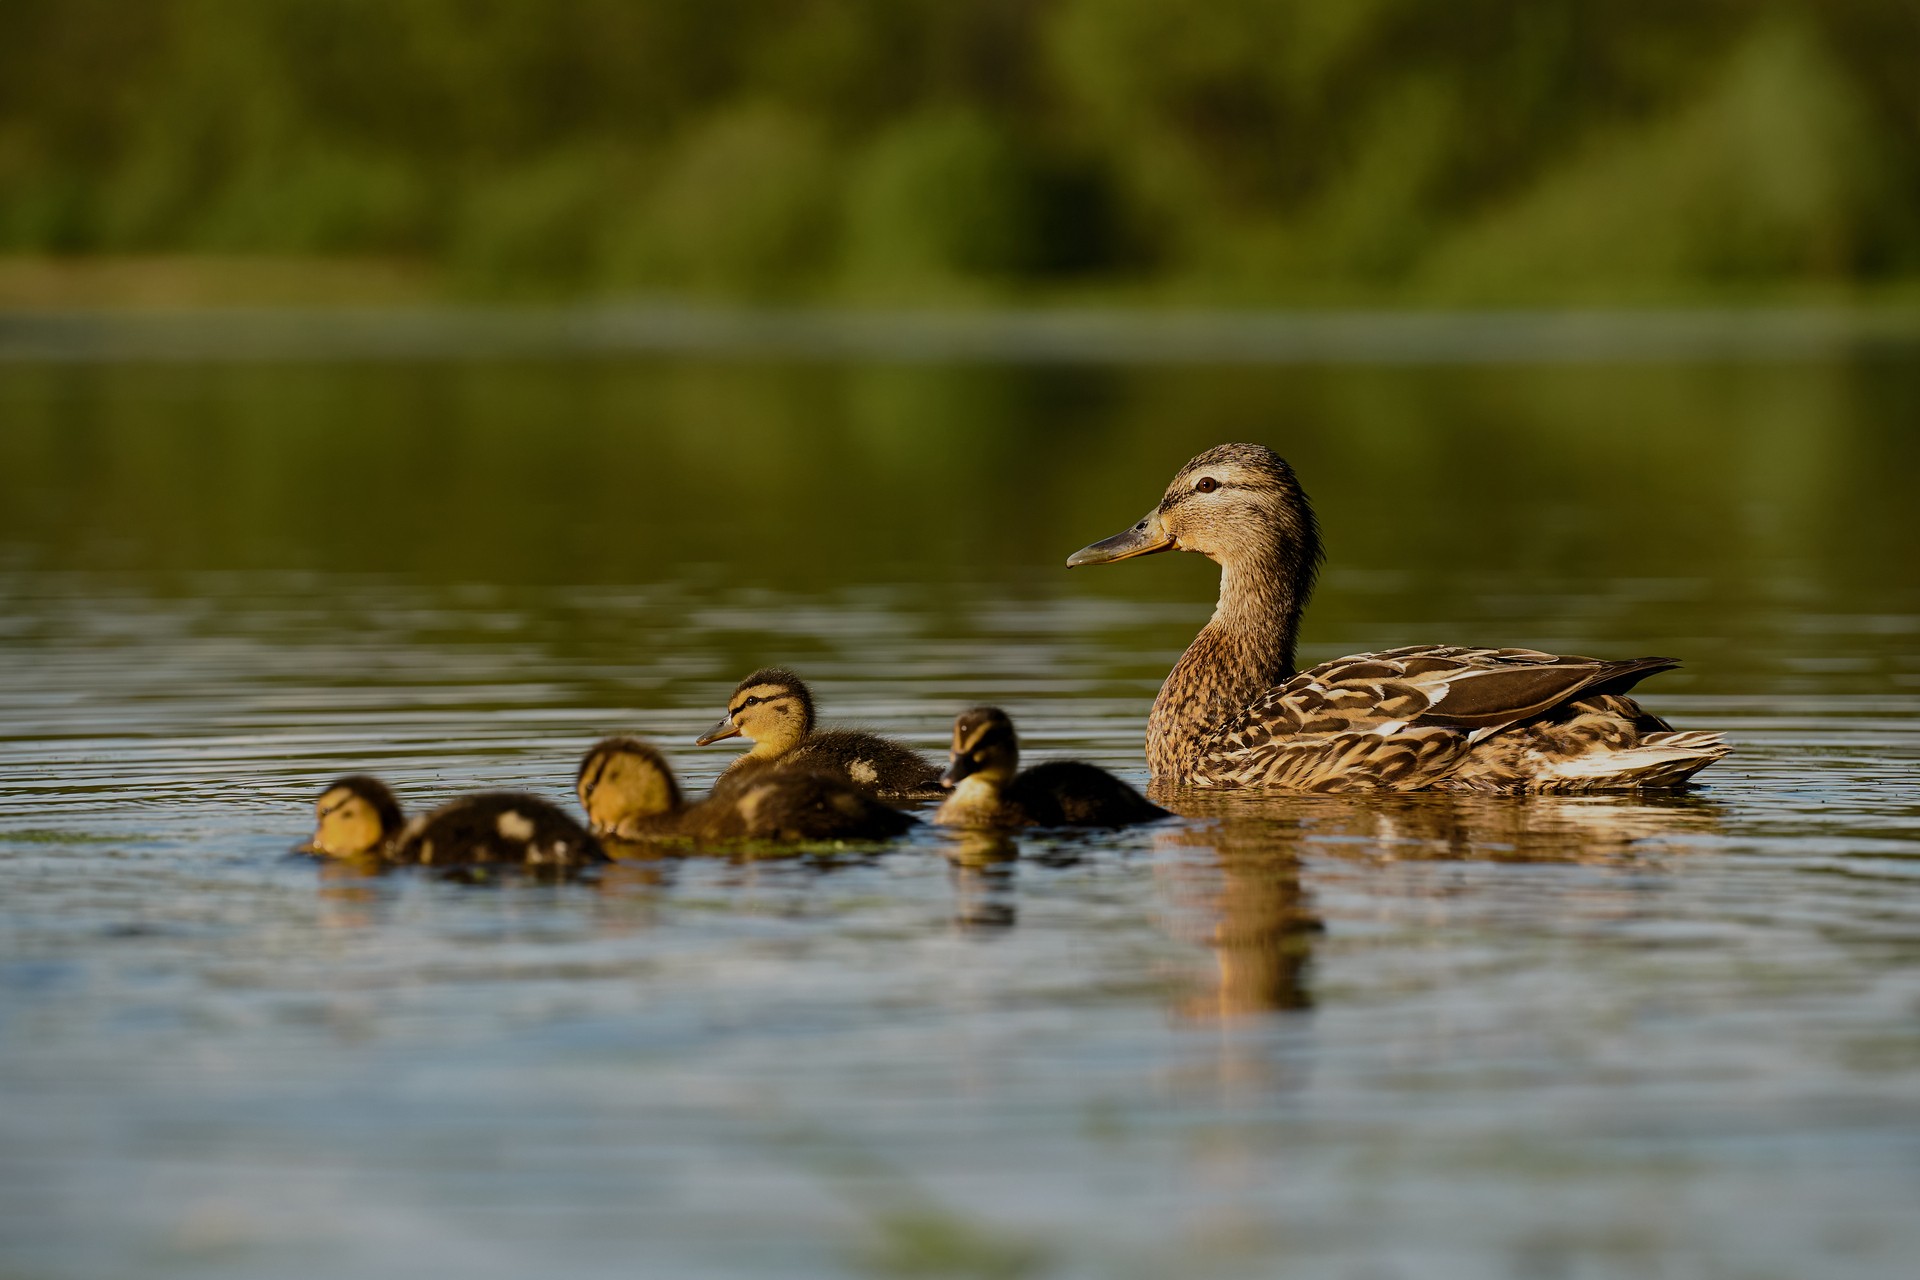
(1206,484)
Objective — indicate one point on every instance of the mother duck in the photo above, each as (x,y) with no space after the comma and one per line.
(1235,713)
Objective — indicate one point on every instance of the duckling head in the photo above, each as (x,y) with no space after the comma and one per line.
(622,779)
(1234,504)
(773,708)
(354,817)
(984,748)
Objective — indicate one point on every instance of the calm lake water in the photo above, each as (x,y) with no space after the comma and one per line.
(1414,1037)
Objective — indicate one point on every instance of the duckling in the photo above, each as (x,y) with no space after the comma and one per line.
(774,709)
(988,792)
(1235,713)
(358,817)
(629,792)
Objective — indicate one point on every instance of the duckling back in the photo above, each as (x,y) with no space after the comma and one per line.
(1072,793)
(793,803)
(877,765)
(497,828)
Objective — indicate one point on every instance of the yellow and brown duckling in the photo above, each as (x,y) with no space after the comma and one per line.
(629,792)
(773,708)
(1235,713)
(991,790)
(358,817)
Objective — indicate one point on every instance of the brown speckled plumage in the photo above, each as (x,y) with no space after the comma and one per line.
(1234,713)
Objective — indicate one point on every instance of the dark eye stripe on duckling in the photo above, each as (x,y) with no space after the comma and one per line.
(754,699)
(596,769)
(977,736)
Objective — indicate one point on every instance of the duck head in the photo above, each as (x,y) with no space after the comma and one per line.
(353,817)
(623,779)
(1234,503)
(772,708)
(984,747)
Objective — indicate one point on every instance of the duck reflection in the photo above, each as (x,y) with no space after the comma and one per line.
(1435,826)
(1236,883)
(1235,887)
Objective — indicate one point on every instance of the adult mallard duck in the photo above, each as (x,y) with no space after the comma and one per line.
(773,709)
(1235,713)
(358,817)
(629,792)
(991,790)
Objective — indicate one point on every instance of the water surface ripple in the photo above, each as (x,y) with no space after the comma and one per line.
(1417,1036)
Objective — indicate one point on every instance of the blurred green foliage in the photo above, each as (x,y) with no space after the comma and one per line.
(814,474)
(1238,150)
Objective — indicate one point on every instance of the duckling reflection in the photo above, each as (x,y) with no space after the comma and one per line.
(1246,903)
(357,818)
(982,872)
(629,792)
(347,897)
(773,709)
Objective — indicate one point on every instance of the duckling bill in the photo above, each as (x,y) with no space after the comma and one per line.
(773,708)
(991,790)
(358,817)
(629,792)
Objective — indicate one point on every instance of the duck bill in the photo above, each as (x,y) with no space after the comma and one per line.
(961,769)
(725,729)
(1145,538)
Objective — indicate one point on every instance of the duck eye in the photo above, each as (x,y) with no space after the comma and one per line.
(1206,484)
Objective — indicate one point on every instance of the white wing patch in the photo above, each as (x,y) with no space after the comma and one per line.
(862,771)
(512,825)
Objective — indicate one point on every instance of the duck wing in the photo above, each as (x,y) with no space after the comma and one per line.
(1401,719)
(1486,690)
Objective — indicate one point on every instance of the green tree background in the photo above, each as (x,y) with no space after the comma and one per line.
(1232,151)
